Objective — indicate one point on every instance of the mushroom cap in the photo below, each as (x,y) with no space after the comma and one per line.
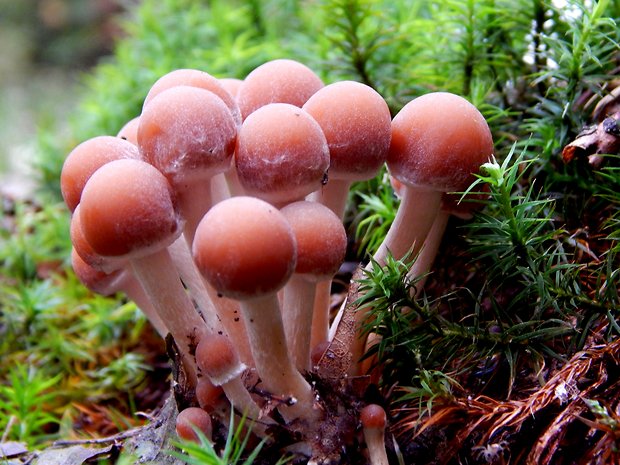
(356,122)
(245,248)
(86,252)
(127,210)
(187,132)
(191,419)
(129,131)
(281,154)
(320,236)
(438,141)
(208,394)
(96,280)
(198,79)
(85,159)
(277,81)
(373,416)
(216,356)
(232,86)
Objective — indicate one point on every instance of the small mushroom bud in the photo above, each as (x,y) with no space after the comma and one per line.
(246,250)
(217,358)
(281,154)
(194,419)
(87,158)
(321,246)
(277,81)
(374,421)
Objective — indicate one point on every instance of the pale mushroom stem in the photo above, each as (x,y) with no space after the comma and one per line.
(134,291)
(297,309)
(159,280)
(273,363)
(333,195)
(414,219)
(427,255)
(219,188)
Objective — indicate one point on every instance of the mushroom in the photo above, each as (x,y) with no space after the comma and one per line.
(277,81)
(217,358)
(85,159)
(232,86)
(321,246)
(438,141)
(194,78)
(191,420)
(452,204)
(374,420)
(246,250)
(281,154)
(356,122)
(189,135)
(128,211)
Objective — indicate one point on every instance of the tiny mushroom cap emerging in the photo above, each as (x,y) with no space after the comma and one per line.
(216,356)
(129,131)
(194,78)
(87,158)
(277,81)
(194,419)
(209,396)
(374,421)
(127,210)
(245,248)
(281,154)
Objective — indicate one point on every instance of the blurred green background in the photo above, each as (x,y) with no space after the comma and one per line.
(45,46)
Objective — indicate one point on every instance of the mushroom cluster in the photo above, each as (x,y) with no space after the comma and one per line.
(219,210)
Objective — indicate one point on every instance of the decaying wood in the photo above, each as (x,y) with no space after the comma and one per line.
(594,141)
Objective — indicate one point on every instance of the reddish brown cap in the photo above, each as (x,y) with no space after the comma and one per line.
(208,395)
(373,416)
(129,131)
(96,280)
(357,124)
(86,252)
(187,132)
(191,419)
(438,141)
(277,81)
(281,154)
(127,209)
(194,78)
(245,248)
(216,356)
(85,159)
(320,236)
(232,86)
